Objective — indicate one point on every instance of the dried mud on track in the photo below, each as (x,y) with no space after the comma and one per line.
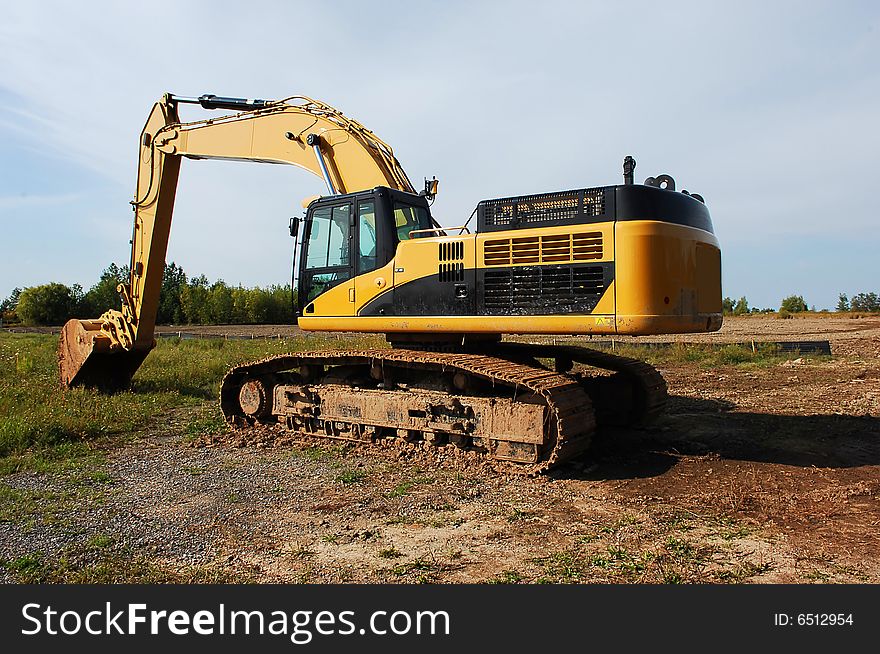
(757,474)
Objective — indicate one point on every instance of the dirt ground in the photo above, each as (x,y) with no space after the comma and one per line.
(763,474)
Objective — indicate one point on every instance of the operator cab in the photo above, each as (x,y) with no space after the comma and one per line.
(348,235)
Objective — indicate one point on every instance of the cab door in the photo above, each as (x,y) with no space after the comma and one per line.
(328,266)
(373,272)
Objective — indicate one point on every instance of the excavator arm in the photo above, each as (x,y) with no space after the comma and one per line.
(299,131)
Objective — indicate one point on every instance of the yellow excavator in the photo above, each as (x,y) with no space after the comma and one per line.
(629,258)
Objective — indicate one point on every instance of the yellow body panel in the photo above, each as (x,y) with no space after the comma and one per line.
(579,324)
(419,258)
(662,284)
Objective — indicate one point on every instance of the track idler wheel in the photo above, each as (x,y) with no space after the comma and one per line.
(254,399)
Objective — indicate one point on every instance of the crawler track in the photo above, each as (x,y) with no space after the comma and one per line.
(646,385)
(335,394)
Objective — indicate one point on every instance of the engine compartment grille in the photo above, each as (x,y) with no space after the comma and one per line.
(543,290)
(548,248)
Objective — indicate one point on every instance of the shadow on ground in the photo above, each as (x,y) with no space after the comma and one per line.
(695,427)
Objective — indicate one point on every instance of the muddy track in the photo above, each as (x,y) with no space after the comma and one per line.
(569,425)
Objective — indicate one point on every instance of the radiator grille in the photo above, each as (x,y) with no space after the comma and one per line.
(542,290)
(551,248)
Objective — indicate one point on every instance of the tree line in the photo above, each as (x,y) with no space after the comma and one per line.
(861,302)
(198,301)
(866,302)
(195,301)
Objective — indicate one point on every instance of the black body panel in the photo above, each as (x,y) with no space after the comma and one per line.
(434,295)
(542,290)
(592,205)
(577,207)
(639,202)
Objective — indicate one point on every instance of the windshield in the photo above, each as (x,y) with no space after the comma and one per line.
(328,237)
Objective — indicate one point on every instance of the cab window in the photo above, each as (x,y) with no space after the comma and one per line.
(324,281)
(329,237)
(366,236)
(408,218)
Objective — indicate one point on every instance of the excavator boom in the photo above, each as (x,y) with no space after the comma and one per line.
(298,131)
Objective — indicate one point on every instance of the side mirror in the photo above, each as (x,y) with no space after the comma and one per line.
(294,226)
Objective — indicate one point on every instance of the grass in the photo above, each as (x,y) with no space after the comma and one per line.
(61,458)
(613,563)
(43,426)
(422,571)
(206,421)
(56,505)
(506,577)
(390,553)
(709,356)
(352,475)
(50,507)
(516,515)
(403,488)
(641,549)
(619,525)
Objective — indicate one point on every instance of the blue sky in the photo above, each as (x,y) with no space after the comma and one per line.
(768,109)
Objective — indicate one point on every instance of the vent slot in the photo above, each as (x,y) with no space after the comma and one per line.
(451,272)
(543,290)
(550,248)
(453,253)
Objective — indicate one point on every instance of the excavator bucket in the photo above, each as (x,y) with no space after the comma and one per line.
(86,359)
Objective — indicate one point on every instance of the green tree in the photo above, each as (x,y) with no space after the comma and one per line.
(793,304)
(173,283)
(194,301)
(727,306)
(7,306)
(10,303)
(865,302)
(741,307)
(842,302)
(220,303)
(239,305)
(79,305)
(103,295)
(283,300)
(49,304)
(258,306)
